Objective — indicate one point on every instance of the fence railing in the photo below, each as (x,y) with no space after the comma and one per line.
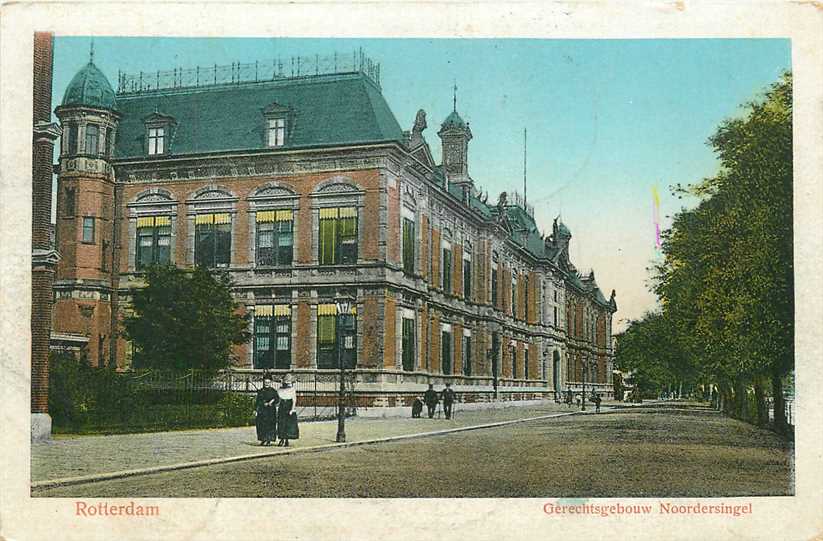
(238,72)
(317,393)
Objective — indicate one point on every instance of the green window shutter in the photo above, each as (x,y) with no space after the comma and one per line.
(328,234)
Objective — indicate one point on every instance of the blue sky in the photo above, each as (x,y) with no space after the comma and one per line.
(606,119)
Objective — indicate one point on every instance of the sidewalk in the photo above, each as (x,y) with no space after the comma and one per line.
(87,455)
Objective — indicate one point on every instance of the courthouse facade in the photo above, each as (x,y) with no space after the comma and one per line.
(298,181)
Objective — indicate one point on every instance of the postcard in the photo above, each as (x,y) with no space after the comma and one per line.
(411,270)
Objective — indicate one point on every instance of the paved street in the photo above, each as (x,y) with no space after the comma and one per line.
(83,455)
(665,451)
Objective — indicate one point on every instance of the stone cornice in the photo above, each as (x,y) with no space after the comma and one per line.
(44,257)
(46,131)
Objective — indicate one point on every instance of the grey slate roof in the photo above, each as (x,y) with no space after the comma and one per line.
(323,110)
(90,88)
(453,121)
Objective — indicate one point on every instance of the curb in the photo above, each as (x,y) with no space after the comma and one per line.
(93,478)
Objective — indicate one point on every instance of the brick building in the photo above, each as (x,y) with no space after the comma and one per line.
(43,256)
(301,183)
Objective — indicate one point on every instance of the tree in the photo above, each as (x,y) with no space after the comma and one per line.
(185,319)
(650,349)
(726,283)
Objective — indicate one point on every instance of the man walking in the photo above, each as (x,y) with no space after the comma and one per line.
(448,400)
(596,399)
(431,400)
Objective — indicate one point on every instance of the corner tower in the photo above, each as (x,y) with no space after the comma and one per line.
(455,135)
(85,213)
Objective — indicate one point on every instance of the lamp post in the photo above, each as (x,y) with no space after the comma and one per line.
(344,306)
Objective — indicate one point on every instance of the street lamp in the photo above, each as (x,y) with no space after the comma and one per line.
(344,307)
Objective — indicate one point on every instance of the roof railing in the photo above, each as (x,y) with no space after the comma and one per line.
(239,73)
(520,201)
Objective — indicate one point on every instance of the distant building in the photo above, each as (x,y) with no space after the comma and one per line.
(304,187)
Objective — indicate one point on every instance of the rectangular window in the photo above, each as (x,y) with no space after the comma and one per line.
(277,132)
(153,241)
(408,344)
(275,237)
(513,353)
(337,236)
(447,270)
(408,246)
(514,295)
(467,355)
(494,284)
(72,146)
(446,351)
(526,297)
(88,229)
(212,240)
(467,278)
(157,140)
(92,137)
(526,361)
(555,316)
(108,146)
(327,352)
(272,337)
(69,200)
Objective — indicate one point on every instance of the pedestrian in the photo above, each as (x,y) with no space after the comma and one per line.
(568,398)
(596,399)
(265,410)
(287,428)
(448,399)
(431,400)
(417,407)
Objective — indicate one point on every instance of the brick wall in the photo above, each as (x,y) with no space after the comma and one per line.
(301,351)
(457,269)
(506,368)
(435,350)
(393,236)
(390,332)
(372,347)
(434,279)
(42,272)
(423,333)
(425,236)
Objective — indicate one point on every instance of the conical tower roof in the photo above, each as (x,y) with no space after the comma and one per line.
(90,88)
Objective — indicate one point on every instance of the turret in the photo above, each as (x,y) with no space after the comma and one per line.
(85,210)
(455,135)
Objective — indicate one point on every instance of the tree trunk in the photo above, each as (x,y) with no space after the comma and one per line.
(779,404)
(760,399)
(739,399)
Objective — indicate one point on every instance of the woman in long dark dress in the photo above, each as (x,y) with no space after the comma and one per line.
(266,408)
(287,415)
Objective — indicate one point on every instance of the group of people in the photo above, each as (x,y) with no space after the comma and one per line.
(569,397)
(431,398)
(275,415)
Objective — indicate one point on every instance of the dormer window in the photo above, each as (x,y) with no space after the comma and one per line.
(276,116)
(157,140)
(159,133)
(277,132)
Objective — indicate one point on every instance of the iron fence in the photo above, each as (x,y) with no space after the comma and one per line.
(238,72)
(317,392)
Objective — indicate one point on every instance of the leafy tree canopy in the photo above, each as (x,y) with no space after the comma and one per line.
(185,319)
